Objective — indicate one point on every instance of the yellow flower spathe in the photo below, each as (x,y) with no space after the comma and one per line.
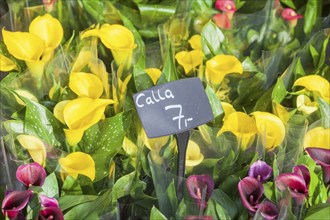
(58,110)
(220,66)
(316,84)
(154,74)
(317,137)
(271,128)
(189,60)
(80,114)
(78,163)
(35,146)
(196,42)
(129,147)
(117,38)
(154,144)
(228,109)
(242,126)
(6,64)
(305,105)
(49,29)
(193,155)
(86,85)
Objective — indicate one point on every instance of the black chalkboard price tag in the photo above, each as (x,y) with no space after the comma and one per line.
(174,108)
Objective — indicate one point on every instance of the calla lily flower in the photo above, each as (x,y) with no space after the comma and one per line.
(318,137)
(35,147)
(268,210)
(260,170)
(58,110)
(291,16)
(225,5)
(305,105)
(303,171)
(227,109)
(78,163)
(53,213)
(117,38)
(316,84)
(31,174)
(154,144)
(220,66)
(154,74)
(222,21)
(322,157)
(271,128)
(196,42)
(129,147)
(242,126)
(80,114)
(86,85)
(197,185)
(6,64)
(250,191)
(189,60)
(295,183)
(281,112)
(14,202)
(48,202)
(193,154)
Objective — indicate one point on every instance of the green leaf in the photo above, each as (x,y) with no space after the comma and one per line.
(141,78)
(214,101)
(225,202)
(315,55)
(269,191)
(123,186)
(319,212)
(299,68)
(312,12)
(216,211)
(69,201)
(71,186)
(325,112)
(169,71)
(248,65)
(50,186)
(157,13)
(323,53)
(252,35)
(279,91)
(156,214)
(15,126)
(212,37)
(289,3)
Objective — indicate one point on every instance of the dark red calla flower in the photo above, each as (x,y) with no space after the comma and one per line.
(196,185)
(268,210)
(289,14)
(225,5)
(14,202)
(48,202)
(321,157)
(222,21)
(31,174)
(260,170)
(295,183)
(250,191)
(304,172)
(53,213)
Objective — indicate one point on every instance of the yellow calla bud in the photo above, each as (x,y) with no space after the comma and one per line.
(189,60)
(196,42)
(220,66)
(305,105)
(78,163)
(34,146)
(271,128)
(154,74)
(242,126)
(317,137)
(193,155)
(6,64)
(86,85)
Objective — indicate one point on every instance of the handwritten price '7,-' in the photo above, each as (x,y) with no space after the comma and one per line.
(180,116)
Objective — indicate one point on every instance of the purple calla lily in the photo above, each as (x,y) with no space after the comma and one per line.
(304,172)
(31,174)
(53,213)
(196,184)
(250,191)
(48,202)
(322,157)
(14,202)
(295,183)
(268,210)
(260,170)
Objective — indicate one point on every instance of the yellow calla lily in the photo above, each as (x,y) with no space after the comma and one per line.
(86,85)
(23,45)
(35,146)
(193,154)
(228,109)
(196,42)
(305,105)
(281,112)
(317,137)
(80,114)
(78,163)
(49,29)
(84,57)
(129,147)
(271,128)
(154,144)
(117,38)
(154,74)
(316,84)
(242,126)
(6,64)
(58,110)
(220,66)
(189,60)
